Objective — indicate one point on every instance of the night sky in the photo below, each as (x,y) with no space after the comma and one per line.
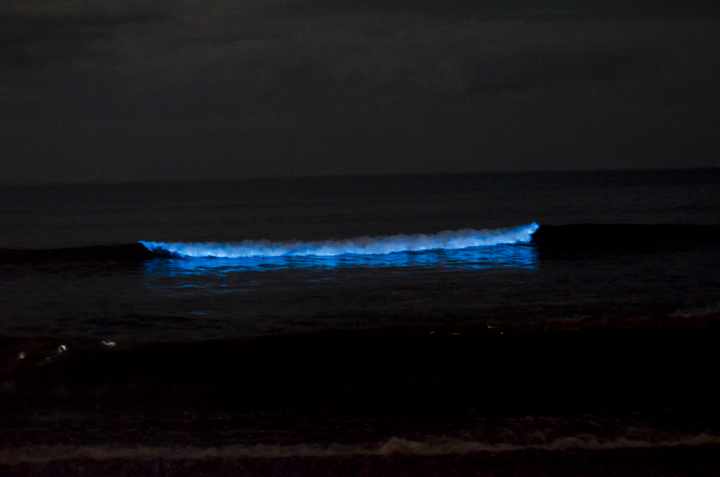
(137,90)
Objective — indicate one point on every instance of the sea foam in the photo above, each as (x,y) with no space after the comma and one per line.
(447,240)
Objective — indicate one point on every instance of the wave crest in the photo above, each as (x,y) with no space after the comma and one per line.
(448,240)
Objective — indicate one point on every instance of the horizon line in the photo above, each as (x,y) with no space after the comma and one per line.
(347,176)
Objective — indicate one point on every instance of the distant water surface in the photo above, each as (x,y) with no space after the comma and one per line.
(180,298)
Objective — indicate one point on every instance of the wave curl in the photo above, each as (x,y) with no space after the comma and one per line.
(447,240)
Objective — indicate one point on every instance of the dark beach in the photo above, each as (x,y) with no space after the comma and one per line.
(378,392)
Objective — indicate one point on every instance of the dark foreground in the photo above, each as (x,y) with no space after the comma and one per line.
(587,397)
(695,461)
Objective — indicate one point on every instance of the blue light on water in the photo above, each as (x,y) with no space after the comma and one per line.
(518,256)
(467,248)
(447,240)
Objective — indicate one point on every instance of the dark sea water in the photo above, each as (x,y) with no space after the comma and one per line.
(477,324)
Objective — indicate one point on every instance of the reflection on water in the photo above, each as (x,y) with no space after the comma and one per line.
(519,256)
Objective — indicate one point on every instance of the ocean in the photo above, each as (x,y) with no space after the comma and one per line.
(549,323)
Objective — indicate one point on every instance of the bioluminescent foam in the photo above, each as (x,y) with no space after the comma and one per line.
(447,240)
(516,256)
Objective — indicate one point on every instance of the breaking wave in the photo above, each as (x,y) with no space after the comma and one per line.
(447,240)
(548,239)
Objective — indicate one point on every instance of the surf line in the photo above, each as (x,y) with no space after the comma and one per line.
(393,446)
(380,245)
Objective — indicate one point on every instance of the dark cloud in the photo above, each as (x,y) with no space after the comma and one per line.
(540,10)
(28,37)
(564,69)
(116,91)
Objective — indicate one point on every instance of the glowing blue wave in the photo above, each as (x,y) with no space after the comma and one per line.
(447,240)
(494,257)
